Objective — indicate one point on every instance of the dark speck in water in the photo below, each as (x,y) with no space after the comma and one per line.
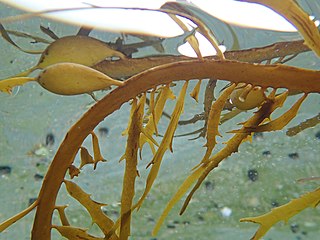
(253,175)
(266,153)
(318,135)
(294,227)
(150,219)
(258,136)
(38,177)
(274,204)
(5,170)
(32,200)
(200,217)
(209,185)
(171,226)
(49,139)
(115,213)
(103,131)
(293,155)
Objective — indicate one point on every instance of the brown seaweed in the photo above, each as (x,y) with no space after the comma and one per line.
(154,76)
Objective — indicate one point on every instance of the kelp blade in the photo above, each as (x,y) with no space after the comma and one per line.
(74,233)
(131,162)
(294,14)
(6,85)
(284,212)
(94,208)
(165,144)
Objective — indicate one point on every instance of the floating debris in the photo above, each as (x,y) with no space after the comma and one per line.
(38,177)
(32,200)
(171,226)
(275,204)
(5,170)
(209,185)
(317,135)
(258,136)
(266,153)
(293,155)
(200,217)
(39,151)
(253,175)
(50,139)
(103,131)
(226,212)
(294,227)
(151,219)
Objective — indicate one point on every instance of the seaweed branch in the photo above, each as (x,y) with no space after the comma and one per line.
(86,69)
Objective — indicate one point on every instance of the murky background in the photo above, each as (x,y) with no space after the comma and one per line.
(262,175)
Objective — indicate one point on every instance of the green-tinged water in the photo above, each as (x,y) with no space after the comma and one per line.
(276,160)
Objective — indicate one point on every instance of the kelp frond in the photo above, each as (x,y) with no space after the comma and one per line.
(300,19)
(62,215)
(93,207)
(165,144)
(152,77)
(311,122)
(232,145)
(131,171)
(70,232)
(153,119)
(284,212)
(214,120)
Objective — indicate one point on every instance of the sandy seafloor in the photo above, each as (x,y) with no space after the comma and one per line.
(31,113)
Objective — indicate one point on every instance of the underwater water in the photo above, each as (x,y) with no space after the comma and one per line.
(262,175)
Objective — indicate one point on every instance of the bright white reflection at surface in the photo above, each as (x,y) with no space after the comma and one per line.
(119,20)
(245,14)
(205,46)
(234,12)
(152,22)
